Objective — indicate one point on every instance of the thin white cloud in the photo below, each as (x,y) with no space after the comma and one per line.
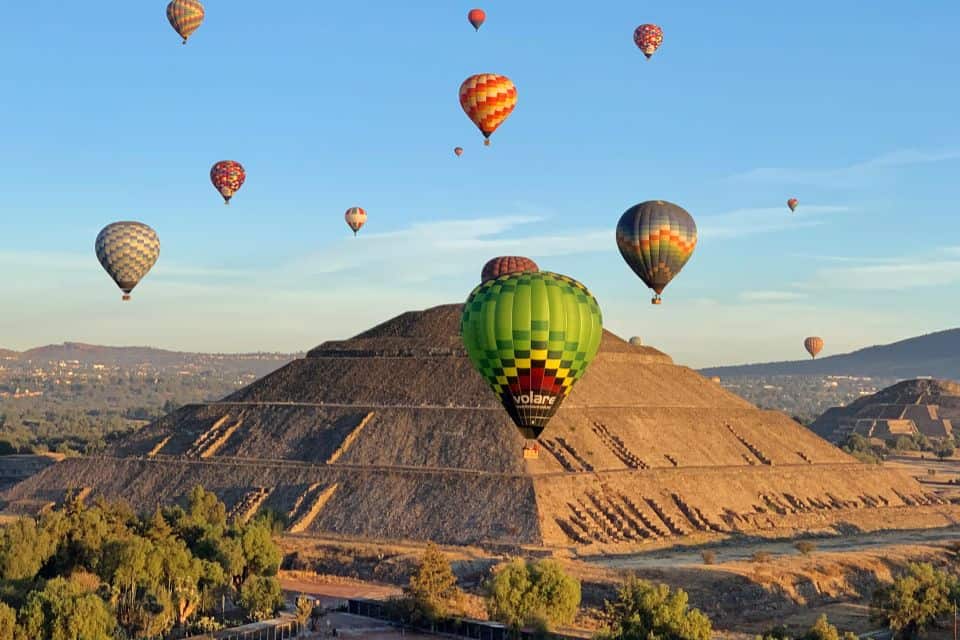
(746,222)
(908,274)
(772,296)
(851,175)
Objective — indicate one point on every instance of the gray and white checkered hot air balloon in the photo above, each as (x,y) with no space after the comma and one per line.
(127,250)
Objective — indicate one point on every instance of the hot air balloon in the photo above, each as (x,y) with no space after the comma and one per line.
(477,18)
(488,99)
(356,217)
(656,238)
(792,203)
(531,336)
(636,341)
(648,37)
(185,17)
(127,251)
(813,345)
(458,151)
(227,176)
(505,265)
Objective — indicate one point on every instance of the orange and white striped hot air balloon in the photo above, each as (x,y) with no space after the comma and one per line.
(488,100)
(813,345)
(356,217)
(185,17)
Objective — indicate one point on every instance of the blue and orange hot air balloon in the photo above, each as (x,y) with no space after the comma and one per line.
(185,17)
(488,99)
(656,239)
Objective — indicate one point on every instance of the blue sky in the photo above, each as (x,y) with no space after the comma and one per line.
(850,107)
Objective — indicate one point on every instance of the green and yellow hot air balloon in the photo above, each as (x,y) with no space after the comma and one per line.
(531,336)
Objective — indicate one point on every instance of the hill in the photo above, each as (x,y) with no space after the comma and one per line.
(935,355)
(393,434)
(90,354)
(928,407)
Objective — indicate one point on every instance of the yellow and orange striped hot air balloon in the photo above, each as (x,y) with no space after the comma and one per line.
(488,100)
(185,17)
(356,217)
(813,345)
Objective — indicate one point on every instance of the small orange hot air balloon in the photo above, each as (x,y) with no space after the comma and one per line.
(356,217)
(488,99)
(813,345)
(185,16)
(648,37)
(792,203)
(477,17)
(458,151)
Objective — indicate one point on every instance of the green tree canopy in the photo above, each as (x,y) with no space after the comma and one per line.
(8,622)
(647,612)
(433,588)
(260,597)
(533,593)
(914,599)
(64,610)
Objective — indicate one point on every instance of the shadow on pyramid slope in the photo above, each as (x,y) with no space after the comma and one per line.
(392,434)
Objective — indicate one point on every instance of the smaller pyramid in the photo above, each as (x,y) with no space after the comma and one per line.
(913,407)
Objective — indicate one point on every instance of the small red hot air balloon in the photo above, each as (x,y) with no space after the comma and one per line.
(792,203)
(648,37)
(477,17)
(458,151)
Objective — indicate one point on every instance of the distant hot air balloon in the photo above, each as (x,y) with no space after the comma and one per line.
(227,176)
(505,265)
(648,38)
(185,17)
(792,203)
(458,151)
(813,345)
(488,100)
(127,251)
(477,18)
(656,238)
(636,341)
(356,217)
(531,336)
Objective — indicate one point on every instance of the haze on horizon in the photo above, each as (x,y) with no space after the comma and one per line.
(331,106)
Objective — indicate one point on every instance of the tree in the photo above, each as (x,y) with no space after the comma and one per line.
(646,612)
(945,449)
(8,622)
(533,593)
(304,609)
(914,600)
(433,588)
(64,611)
(260,597)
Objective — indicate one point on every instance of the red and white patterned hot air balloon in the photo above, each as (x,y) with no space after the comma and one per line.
(648,37)
(227,177)
(356,217)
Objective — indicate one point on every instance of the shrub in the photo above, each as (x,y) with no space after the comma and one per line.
(709,557)
(646,612)
(538,594)
(805,547)
(762,556)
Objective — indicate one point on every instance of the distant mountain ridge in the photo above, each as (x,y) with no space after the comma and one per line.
(935,354)
(132,356)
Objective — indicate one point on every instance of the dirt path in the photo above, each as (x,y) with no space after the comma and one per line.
(731,551)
